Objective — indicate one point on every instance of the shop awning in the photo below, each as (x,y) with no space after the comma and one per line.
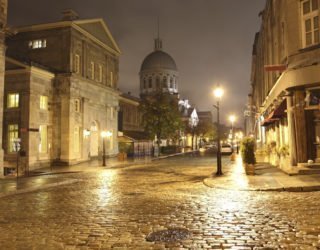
(269,120)
(276,114)
(280,111)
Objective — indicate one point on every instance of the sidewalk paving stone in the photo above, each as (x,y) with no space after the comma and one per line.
(266,178)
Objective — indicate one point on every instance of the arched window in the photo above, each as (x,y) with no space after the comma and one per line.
(164,82)
(150,82)
(158,81)
(144,83)
(171,82)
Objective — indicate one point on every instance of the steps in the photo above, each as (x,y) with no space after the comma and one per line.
(305,168)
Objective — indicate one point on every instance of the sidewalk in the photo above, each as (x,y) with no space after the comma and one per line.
(266,178)
(55,176)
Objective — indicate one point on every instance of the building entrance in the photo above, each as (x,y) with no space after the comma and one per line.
(94,140)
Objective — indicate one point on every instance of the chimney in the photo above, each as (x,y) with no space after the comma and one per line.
(69,15)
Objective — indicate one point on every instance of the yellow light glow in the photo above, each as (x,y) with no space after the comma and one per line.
(218,92)
(106,134)
(232,118)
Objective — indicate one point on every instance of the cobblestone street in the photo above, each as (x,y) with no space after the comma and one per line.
(118,208)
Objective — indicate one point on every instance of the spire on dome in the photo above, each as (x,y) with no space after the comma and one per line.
(158,41)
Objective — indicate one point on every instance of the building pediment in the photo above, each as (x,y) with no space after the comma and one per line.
(98,29)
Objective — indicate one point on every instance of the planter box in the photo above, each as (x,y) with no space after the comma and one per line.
(122,156)
(249,169)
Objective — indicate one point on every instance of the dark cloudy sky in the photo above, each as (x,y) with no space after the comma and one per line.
(210,40)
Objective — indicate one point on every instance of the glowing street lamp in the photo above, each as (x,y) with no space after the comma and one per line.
(218,93)
(104,134)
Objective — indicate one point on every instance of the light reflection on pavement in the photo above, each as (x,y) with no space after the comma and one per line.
(117,208)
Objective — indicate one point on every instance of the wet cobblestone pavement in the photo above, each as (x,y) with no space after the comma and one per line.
(118,208)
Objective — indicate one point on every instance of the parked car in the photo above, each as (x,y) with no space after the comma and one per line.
(226,149)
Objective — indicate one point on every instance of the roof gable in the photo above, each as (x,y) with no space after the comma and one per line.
(98,29)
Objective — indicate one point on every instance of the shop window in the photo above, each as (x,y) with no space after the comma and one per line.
(13,100)
(312,97)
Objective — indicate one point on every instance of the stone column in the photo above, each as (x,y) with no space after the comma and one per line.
(291,132)
(300,125)
(3,22)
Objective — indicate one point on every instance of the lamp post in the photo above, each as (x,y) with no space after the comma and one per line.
(218,93)
(104,134)
(232,119)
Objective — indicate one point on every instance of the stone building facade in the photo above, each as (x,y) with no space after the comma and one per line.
(285,96)
(61,91)
(3,22)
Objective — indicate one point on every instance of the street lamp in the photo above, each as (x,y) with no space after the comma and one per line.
(218,93)
(104,134)
(232,119)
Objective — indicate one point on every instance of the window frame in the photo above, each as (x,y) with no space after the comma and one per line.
(16,101)
(310,16)
(15,132)
(43,102)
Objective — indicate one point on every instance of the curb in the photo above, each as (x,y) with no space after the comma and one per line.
(279,189)
(172,155)
(32,189)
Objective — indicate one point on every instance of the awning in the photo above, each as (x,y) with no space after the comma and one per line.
(280,111)
(269,120)
(276,114)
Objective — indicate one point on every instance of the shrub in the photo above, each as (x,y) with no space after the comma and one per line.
(247,150)
(284,150)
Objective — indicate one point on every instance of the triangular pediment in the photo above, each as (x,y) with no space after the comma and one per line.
(98,29)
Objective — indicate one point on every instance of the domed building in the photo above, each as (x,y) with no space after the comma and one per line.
(158,72)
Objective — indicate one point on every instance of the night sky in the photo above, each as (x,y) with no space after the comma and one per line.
(210,40)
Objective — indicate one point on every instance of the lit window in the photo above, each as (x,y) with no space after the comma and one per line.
(13,134)
(310,22)
(76,139)
(13,100)
(44,102)
(38,44)
(77,105)
(100,73)
(43,146)
(76,63)
(92,70)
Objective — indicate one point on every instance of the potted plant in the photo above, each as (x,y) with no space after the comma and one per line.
(284,160)
(247,153)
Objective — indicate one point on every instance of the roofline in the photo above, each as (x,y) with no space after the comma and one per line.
(28,68)
(75,25)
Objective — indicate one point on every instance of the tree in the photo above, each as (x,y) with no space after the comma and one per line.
(207,129)
(161,116)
